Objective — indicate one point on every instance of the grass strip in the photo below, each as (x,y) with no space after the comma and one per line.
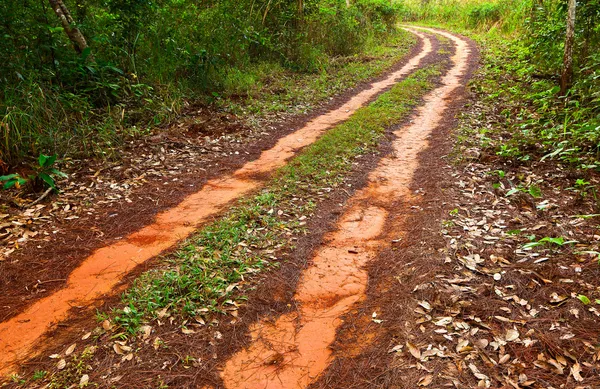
(210,273)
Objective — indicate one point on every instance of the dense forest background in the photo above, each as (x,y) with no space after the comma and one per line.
(523,43)
(141,58)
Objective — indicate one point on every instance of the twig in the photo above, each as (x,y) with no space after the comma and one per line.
(47,281)
(42,197)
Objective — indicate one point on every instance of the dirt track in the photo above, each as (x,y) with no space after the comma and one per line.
(334,283)
(103,270)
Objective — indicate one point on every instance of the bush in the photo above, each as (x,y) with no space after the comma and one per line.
(146,54)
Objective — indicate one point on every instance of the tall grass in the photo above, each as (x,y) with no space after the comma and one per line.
(491,16)
(523,46)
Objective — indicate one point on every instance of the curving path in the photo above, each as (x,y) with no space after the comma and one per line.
(99,274)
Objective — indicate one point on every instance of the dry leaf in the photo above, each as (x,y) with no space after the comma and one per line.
(414,351)
(576,372)
(61,364)
(425,381)
(147,330)
(84,380)
(70,350)
(511,335)
(120,348)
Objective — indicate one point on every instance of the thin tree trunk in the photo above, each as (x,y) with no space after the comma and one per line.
(68,24)
(567,73)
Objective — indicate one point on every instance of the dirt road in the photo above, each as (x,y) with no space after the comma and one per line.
(98,274)
(293,350)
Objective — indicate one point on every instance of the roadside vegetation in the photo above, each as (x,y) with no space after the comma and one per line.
(204,275)
(79,77)
(516,285)
(523,49)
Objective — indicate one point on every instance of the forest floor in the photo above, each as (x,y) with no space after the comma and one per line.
(376,243)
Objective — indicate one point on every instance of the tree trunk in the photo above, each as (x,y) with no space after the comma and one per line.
(567,73)
(66,20)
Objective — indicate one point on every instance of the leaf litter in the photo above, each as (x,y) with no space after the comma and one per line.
(496,310)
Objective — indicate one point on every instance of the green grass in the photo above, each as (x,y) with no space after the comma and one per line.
(489,16)
(528,121)
(204,275)
(525,118)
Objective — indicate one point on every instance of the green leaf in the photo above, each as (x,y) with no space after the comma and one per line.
(58,173)
(48,180)
(535,191)
(46,160)
(584,299)
(532,245)
(512,192)
(86,53)
(557,241)
(42,159)
(8,177)
(9,184)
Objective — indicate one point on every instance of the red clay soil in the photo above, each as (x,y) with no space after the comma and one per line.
(211,344)
(98,274)
(43,266)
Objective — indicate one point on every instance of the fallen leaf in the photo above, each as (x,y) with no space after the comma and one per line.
(511,335)
(414,351)
(425,381)
(576,372)
(70,350)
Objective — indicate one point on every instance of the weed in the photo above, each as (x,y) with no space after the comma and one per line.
(39,374)
(548,241)
(44,174)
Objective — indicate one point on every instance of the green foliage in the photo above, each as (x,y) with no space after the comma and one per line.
(559,241)
(149,55)
(481,15)
(584,299)
(44,174)
(523,50)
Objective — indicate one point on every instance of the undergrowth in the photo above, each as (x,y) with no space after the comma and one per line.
(146,60)
(522,45)
(538,123)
